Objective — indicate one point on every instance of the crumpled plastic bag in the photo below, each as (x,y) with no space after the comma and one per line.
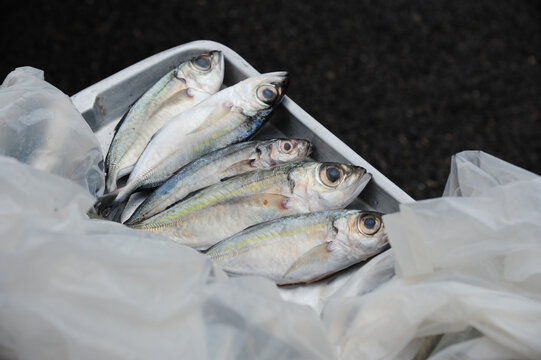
(468,260)
(72,287)
(40,126)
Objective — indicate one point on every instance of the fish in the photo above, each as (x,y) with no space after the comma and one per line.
(181,88)
(302,248)
(223,209)
(218,165)
(229,116)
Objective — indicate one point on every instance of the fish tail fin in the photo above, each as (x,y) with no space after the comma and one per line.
(110,183)
(134,219)
(116,212)
(123,194)
(109,207)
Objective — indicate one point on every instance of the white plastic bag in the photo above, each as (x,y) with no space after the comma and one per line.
(40,126)
(467,260)
(71,287)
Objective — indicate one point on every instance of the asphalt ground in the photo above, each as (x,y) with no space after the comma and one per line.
(406,84)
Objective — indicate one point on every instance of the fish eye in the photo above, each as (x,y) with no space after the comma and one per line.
(331,175)
(369,224)
(202,62)
(286,146)
(266,93)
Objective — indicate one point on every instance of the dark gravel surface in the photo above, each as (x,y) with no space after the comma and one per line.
(406,84)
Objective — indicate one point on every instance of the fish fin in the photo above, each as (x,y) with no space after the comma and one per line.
(227,178)
(132,220)
(110,183)
(218,112)
(116,212)
(115,177)
(108,207)
(238,168)
(92,214)
(172,98)
(152,137)
(311,262)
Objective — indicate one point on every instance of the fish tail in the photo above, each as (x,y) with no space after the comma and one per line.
(111,181)
(109,207)
(124,193)
(116,212)
(134,219)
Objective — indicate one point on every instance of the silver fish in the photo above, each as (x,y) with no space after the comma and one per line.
(181,88)
(224,209)
(230,116)
(218,165)
(302,248)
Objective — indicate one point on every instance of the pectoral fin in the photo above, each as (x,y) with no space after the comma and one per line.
(215,115)
(312,262)
(237,169)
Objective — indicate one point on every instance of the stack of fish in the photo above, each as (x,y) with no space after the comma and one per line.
(256,207)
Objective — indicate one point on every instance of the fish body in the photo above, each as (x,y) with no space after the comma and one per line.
(230,116)
(302,248)
(217,165)
(226,208)
(181,88)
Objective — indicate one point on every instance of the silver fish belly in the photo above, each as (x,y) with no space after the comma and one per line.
(302,248)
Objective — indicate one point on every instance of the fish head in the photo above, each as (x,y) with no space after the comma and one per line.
(279,151)
(326,186)
(260,94)
(361,232)
(204,72)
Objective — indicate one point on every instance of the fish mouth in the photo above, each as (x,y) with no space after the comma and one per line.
(305,148)
(384,243)
(309,148)
(217,59)
(279,79)
(283,84)
(365,178)
(358,177)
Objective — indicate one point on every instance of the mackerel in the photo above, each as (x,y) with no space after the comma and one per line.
(302,248)
(218,165)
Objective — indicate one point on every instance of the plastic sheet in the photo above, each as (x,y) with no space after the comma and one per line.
(72,287)
(40,126)
(467,260)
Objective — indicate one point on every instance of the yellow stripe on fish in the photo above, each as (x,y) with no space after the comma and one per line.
(265,236)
